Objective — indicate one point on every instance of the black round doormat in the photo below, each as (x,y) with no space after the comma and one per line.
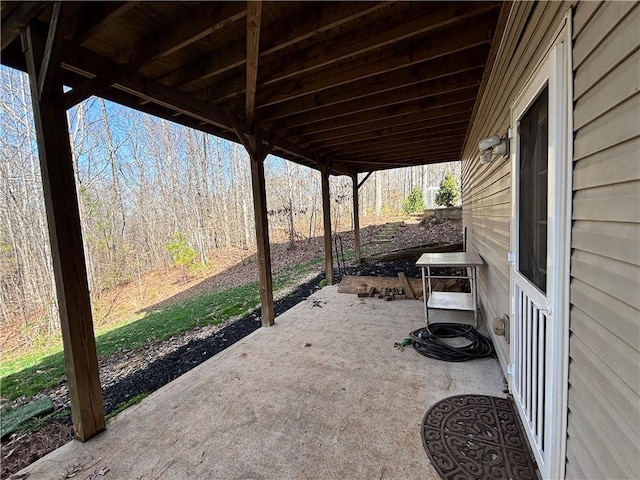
(476,437)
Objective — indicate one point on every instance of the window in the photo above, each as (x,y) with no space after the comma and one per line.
(534,164)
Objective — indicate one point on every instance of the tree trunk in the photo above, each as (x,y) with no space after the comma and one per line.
(290,211)
(378,187)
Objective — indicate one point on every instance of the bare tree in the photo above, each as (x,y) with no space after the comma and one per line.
(141,180)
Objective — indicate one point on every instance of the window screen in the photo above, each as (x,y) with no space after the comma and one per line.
(533,130)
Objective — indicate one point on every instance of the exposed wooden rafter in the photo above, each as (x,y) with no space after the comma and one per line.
(164,41)
(439,92)
(415,23)
(286,32)
(428,107)
(349,82)
(394,135)
(82,61)
(196,24)
(95,16)
(18,19)
(429,78)
(471,33)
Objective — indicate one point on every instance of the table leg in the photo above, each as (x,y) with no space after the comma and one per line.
(424,296)
(474,289)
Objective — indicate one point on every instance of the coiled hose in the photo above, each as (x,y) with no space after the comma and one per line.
(427,341)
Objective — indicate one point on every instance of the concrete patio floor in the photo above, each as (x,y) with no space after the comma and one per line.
(321,395)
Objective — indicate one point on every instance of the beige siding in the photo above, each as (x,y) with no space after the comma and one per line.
(604,373)
(487,188)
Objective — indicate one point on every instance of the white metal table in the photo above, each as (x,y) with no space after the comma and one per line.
(469,261)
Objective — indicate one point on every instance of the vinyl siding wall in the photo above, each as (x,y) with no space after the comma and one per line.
(604,371)
(486,189)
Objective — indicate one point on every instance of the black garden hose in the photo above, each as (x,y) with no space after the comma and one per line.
(426,341)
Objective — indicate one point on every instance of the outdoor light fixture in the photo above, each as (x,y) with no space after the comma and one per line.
(492,147)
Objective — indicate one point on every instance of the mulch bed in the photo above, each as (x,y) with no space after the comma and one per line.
(21,451)
(180,361)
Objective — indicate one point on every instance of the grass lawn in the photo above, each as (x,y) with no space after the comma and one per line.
(34,372)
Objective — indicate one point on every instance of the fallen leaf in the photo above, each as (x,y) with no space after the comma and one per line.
(73,471)
(19,476)
(97,473)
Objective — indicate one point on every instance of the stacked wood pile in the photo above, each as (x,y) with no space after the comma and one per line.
(387,288)
(449,285)
(387,293)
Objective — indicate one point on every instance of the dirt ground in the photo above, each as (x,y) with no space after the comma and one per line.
(126,375)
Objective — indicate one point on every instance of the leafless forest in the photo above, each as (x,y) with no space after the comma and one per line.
(143,183)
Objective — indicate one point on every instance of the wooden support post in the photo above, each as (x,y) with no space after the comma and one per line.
(63,216)
(356,219)
(254,14)
(326,216)
(258,154)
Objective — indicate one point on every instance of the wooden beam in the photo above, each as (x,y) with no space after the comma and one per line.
(132,101)
(244,138)
(164,41)
(445,69)
(426,133)
(254,16)
(89,64)
(326,218)
(79,60)
(80,64)
(430,109)
(285,149)
(262,236)
(413,122)
(406,160)
(18,19)
(61,205)
(257,154)
(94,86)
(416,151)
(51,53)
(347,155)
(417,19)
(411,146)
(198,23)
(384,165)
(97,15)
(288,31)
(364,180)
(416,138)
(356,217)
(468,35)
(437,89)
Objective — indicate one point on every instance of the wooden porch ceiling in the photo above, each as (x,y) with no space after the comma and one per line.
(359,86)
